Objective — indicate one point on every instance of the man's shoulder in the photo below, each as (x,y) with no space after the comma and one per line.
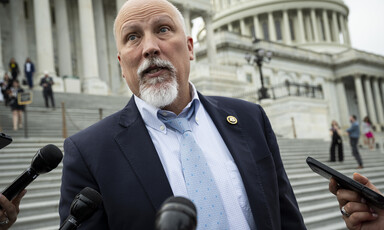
(232,103)
(101,129)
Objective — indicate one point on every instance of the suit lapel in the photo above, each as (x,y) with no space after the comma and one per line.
(137,147)
(236,142)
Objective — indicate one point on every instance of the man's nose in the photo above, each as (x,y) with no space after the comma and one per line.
(151,47)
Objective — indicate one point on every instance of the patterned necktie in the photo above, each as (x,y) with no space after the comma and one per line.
(198,178)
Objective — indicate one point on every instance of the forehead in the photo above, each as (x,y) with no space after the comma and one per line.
(143,10)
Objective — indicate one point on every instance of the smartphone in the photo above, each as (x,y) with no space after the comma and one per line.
(345,182)
(4,140)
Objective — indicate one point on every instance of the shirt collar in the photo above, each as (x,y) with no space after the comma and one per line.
(149,112)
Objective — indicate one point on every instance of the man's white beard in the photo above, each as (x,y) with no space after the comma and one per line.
(160,91)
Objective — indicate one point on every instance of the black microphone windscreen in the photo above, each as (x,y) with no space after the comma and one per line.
(92,194)
(52,155)
(46,159)
(180,200)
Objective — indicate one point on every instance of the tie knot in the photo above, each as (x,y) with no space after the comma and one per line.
(179,124)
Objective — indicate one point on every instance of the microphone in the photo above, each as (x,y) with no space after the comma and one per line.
(176,213)
(82,207)
(46,159)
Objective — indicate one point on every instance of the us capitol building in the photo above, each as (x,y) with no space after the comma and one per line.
(314,76)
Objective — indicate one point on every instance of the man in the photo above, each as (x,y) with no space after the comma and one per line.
(357,214)
(137,157)
(354,134)
(46,82)
(29,69)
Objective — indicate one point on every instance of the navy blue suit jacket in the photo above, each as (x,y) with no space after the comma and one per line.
(117,158)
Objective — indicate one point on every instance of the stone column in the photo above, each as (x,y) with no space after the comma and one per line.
(314,25)
(101,41)
(286,29)
(329,89)
(243,29)
(217,5)
(256,25)
(62,36)
(92,84)
(379,101)
(308,28)
(370,101)
(343,104)
(360,96)
(2,69)
(230,27)
(44,45)
(300,20)
(382,90)
(271,27)
(326,26)
(187,20)
(335,28)
(122,88)
(348,38)
(210,40)
(341,21)
(19,34)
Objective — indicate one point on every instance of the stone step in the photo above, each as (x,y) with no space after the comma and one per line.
(40,221)
(318,206)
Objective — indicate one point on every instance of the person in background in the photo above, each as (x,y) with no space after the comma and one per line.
(29,69)
(337,142)
(5,85)
(369,138)
(354,134)
(14,69)
(10,210)
(17,110)
(47,82)
(357,214)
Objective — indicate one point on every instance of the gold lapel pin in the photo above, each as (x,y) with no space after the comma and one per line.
(232,120)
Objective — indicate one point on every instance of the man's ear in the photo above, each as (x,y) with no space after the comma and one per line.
(190,47)
(119,58)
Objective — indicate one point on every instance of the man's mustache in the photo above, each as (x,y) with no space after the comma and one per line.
(154,62)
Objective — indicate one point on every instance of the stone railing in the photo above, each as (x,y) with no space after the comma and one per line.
(286,90)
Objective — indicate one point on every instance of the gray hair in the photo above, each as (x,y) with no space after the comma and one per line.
(178,13)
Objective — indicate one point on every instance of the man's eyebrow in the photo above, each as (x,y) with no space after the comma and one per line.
(128,27)
(163,18)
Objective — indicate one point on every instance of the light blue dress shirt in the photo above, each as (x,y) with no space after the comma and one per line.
(219,159)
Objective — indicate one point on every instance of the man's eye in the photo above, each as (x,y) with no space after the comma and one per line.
(164,29)
(132,37)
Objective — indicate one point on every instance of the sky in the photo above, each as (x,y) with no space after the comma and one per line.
(366,25)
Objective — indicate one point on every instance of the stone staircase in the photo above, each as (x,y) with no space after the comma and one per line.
(81,111)
(318,206)
(39,207)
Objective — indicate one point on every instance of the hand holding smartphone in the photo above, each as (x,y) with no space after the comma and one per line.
(345,182)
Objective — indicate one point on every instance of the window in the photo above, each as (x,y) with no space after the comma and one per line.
(279,37)
(267,81)
(292,30)
(249,77)
(265,31)
(322,29)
